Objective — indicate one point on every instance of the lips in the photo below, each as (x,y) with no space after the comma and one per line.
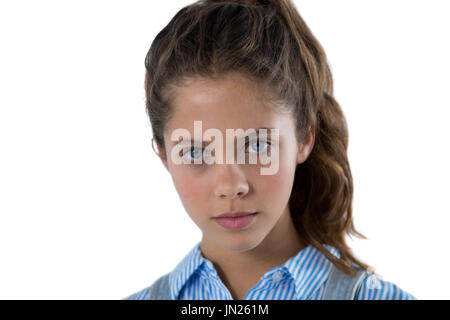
(235,214)
(238,220)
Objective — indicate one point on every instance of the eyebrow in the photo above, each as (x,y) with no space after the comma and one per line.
(205,143)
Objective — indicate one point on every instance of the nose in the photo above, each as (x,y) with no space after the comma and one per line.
(230,181)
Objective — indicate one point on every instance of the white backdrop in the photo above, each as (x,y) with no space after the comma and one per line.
(87,211)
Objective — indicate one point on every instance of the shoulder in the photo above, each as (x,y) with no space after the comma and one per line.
(375,288)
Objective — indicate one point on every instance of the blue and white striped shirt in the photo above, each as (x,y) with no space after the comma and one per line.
(302,277)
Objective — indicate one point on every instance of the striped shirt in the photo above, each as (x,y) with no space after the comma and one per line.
(302,277)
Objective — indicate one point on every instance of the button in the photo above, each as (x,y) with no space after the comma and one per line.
(277,276)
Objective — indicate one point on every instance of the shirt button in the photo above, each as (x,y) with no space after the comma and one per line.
(277,276)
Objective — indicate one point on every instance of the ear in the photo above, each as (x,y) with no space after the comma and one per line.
(306,147)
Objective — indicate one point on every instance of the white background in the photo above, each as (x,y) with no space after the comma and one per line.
(87,211)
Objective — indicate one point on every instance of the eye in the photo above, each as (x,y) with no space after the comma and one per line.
(192,153)
(258,146)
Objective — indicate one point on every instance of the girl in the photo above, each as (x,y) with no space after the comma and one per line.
(255,64)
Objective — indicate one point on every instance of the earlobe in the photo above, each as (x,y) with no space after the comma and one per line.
(305,148)
(302,154)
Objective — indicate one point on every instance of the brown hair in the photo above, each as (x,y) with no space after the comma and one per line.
(267,41)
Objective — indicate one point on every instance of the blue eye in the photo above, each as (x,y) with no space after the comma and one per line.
(192,154)
(258,144)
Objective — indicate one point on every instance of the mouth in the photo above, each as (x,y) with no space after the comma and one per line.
(237,221)
(236,214)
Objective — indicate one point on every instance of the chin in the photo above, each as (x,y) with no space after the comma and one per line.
(240,244)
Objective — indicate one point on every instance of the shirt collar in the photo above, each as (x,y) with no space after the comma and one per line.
(184,270)
(309,269)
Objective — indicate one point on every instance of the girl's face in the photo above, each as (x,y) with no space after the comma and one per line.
(208,190)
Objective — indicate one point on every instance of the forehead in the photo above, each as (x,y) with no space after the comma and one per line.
(233,101)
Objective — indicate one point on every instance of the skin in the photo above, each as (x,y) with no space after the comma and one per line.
(241,257)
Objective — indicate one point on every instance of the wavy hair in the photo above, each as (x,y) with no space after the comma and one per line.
(269,42)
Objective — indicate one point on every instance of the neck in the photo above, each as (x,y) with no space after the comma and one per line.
(279,245)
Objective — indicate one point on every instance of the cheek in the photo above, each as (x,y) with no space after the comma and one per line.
(278,185)
(190,189)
